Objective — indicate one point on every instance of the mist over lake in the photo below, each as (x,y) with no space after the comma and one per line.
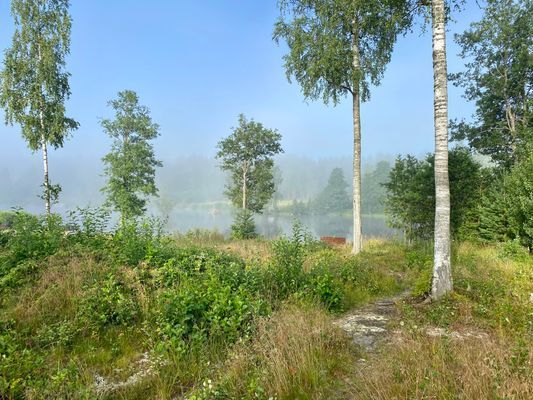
(271,224)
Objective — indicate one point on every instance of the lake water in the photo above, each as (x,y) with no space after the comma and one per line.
(274,224)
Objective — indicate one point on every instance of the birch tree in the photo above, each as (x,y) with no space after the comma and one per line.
(442,274)
(130,166)
(339,48)
(34,84)
(247,155)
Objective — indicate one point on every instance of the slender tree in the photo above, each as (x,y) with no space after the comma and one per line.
(442,274)
(130,166)
(247,155)
(34,84)
(339,48)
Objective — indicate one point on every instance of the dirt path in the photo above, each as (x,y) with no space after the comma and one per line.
(369,324)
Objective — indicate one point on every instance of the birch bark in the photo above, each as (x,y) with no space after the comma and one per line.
(357,226)
(442,277)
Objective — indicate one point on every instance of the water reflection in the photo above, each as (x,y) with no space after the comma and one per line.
(273,224)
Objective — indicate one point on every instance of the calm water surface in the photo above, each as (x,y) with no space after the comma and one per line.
(273,224)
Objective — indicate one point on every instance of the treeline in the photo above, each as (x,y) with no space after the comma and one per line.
(185,181)
(336,194)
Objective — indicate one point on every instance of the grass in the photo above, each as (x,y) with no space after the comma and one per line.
(297,354)
(486,350)
(415,366)
(132,315)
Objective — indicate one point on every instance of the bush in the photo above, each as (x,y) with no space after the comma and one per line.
(287,262)
(7,219)
(89,226)
(505,211)
(136,241)
(513,250)
(422,284)
(325,288)
(35,237)
(110,302)
(32,238)
(244,226)
(202,310)
(410,199)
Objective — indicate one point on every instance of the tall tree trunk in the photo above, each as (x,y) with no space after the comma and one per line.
(244,187)
(46,183)
(357,226)
(442,277)
(46,179)
(44,150)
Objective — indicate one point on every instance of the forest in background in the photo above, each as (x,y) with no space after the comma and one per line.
(187,182)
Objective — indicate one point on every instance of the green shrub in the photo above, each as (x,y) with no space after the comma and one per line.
(506,208)
(202,310)
(31,239)
(422,283)
(7,219)
(19,363)
(244,226)
(35,237)
(325,287)
(194,261)
(89,226)
(136,241)
(513,250)
(287,263)
(110,302)
(418,259)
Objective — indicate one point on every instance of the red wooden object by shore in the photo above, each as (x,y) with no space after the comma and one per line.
(334,241)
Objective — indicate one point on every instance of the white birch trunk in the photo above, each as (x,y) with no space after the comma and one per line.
(442,277)
(44,151)
(357,226)
(244,174)
(46,179)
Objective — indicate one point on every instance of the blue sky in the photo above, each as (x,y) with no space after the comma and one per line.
(198,64)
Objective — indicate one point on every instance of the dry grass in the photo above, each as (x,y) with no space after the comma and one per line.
(255,251)
(53,295)
(416,366)
(298,354)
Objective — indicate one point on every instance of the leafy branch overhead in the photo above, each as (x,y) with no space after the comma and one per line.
(321,36)
(499,79)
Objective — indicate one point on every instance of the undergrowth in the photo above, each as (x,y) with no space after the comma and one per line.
(89,311)
(86,309)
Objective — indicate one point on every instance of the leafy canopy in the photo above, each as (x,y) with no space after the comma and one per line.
(247,155)
(321,34)
(33,83)
(130,166)
(498,78)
